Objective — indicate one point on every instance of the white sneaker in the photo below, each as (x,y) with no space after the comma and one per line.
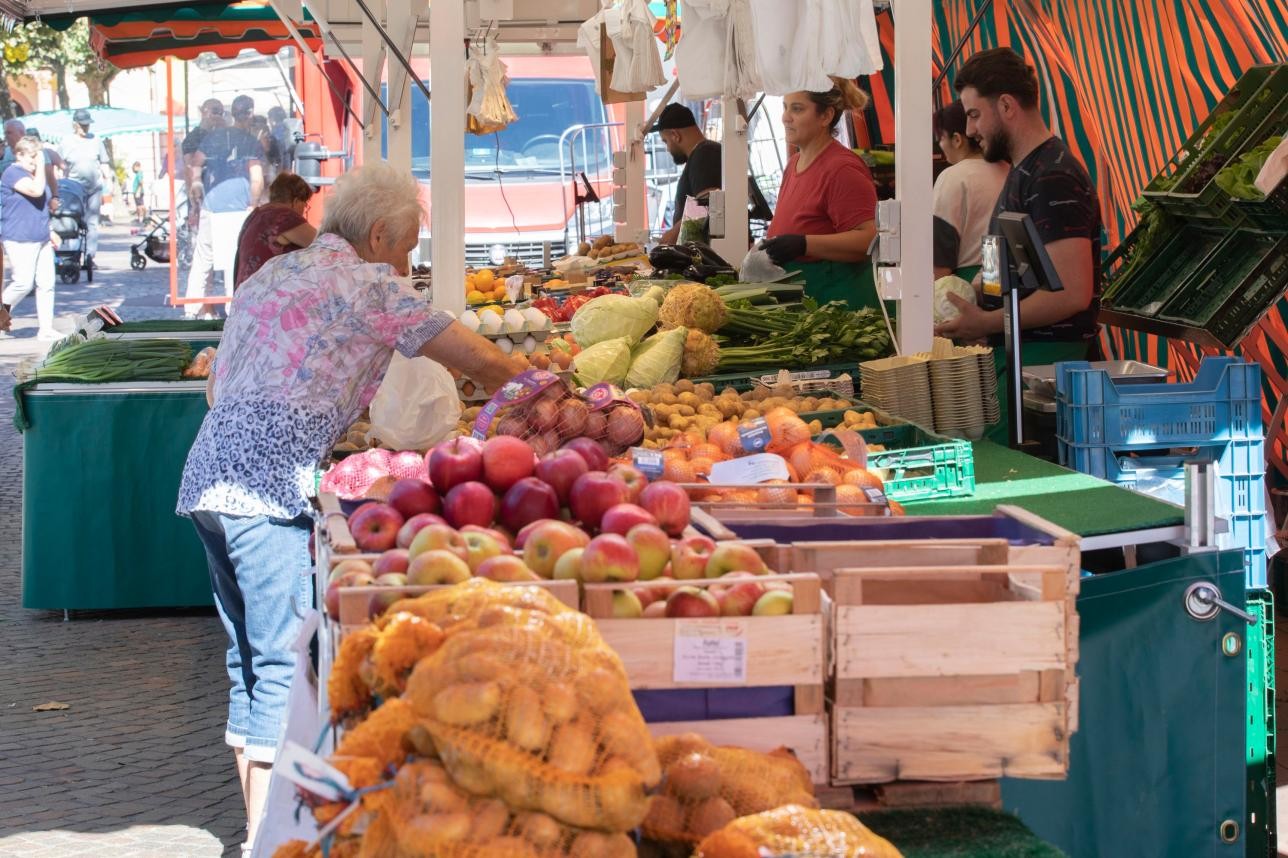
(49,336)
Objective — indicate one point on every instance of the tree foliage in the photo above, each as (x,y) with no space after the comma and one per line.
(65,53)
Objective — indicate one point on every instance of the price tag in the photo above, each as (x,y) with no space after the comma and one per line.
(876,495)
(311,773)
(754,435)
(749,469)
(711,650)
(649,462)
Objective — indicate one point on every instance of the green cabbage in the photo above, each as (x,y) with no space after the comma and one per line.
(657,359)
(607,361)
(609,317)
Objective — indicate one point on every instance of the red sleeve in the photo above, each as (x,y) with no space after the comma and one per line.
(851,196)
(284,221)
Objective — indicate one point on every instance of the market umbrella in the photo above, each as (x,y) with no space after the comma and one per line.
(107,122)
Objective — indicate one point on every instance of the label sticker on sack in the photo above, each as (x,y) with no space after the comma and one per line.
(759,468)
(649,462)
(754,435)
(712,650)
(311,773)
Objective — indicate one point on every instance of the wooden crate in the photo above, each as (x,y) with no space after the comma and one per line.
(787,650)
(953,660)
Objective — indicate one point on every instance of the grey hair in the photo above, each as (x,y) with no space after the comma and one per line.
(374,192)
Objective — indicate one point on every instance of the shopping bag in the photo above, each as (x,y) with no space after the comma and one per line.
(416,405)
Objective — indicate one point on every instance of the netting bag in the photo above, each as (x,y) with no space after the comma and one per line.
(519,713)
(704,787)
(795,830)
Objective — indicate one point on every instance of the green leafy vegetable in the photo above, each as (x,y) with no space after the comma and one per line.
(607,361)
(657,359)
(1238,177)
(609,317)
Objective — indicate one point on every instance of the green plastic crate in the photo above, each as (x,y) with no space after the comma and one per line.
(919,464)
(1148,284)
(1262,838)
(744,381)
(1253,110)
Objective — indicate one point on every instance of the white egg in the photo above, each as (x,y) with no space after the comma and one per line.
(490,323)
(470,319)
(505,345)
(529,344)
(513,321)
(535,319)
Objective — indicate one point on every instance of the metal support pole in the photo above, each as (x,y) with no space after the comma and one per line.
(634,227)
(913,183)
(400,18)
(447,154)
(394,48)
(733,144)
(373,64)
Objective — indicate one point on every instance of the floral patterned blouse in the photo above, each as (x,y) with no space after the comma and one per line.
(307,341)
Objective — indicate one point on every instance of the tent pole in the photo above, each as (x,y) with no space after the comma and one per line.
(447,155)
(169,143)
(912,134)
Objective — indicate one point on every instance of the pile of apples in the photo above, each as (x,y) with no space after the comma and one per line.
(737,566)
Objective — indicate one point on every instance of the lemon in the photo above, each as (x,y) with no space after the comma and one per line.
(491,308)
(475,297)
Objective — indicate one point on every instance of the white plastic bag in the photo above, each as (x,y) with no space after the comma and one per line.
(716,55)
(638,66)
(489,109)
(798,45)
(416,405)
(757,267)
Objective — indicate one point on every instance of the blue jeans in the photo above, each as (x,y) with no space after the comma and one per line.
(262,581)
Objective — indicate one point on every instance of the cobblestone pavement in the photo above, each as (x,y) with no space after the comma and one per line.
(137,765)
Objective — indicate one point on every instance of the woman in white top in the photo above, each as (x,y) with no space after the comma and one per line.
(965,195)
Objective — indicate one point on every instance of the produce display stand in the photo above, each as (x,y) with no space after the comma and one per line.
(101,471)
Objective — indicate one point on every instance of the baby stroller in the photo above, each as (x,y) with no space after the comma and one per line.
(154,242)
(68,223)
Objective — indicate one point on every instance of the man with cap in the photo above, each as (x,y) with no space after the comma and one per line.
(226,178)
(699,156)
(86,161)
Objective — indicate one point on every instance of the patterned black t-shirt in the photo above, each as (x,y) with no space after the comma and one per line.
(1053,189)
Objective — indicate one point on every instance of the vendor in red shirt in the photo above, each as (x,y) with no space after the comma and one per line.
(274,228)
(826,212)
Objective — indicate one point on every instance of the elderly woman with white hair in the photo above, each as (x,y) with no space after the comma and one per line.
(306,344)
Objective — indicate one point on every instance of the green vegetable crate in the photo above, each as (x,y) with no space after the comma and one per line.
(919,464)
(1261,829)
(1256,108)
(742,381)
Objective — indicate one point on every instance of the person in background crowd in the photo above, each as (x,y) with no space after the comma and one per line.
(302,354)
(212,117)
(275,228)
(28,242)
(1000,95)
(279,125)
(226,178)
(699,156)
(137,193)
(965,194)
(87,163)
(272,154)
(825,219)
(14,131)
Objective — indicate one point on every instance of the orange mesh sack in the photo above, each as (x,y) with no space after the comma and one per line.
(705,787)
(795,830)
(377,661)
(426,815)
(468,601)
(540,715)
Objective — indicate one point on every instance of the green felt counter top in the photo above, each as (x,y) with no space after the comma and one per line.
(1081,504)
(957,832)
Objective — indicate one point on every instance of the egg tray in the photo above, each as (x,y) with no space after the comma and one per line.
(519,336)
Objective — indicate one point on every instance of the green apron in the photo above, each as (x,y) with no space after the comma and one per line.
(1032,354)
(850,282)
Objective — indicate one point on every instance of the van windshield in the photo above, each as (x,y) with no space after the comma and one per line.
(546,107)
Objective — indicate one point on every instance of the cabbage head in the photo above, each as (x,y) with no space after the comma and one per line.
(952,284)
(607,361)
(609,317)
(657,359)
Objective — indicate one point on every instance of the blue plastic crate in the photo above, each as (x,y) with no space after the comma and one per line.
(1223,403)
(1240,487)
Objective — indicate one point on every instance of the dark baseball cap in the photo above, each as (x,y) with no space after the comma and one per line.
(82,117)
(674,117)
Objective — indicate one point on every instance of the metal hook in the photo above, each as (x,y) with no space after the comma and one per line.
(1203,602)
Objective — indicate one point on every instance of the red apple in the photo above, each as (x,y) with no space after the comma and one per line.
(437,567)
(626,605)
(470,503)
(548,542)
(740,599)
(734,557)
(393,561)
(506,460)
(568,567)
(632,477)
(592,495)
(692,602)
(621,518)
(414,525)
(413,497)
(668,503)
(774,603)
(496,533)
(480,547)
(349,566)
(440,537)
(653,610)
(521,538)
(689,557)
(506,567)
(375,526)
(651,547)
(381,602)
(609,557)
(591,451)
(528,500)
(560,470)
(453,462)
(353,578)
